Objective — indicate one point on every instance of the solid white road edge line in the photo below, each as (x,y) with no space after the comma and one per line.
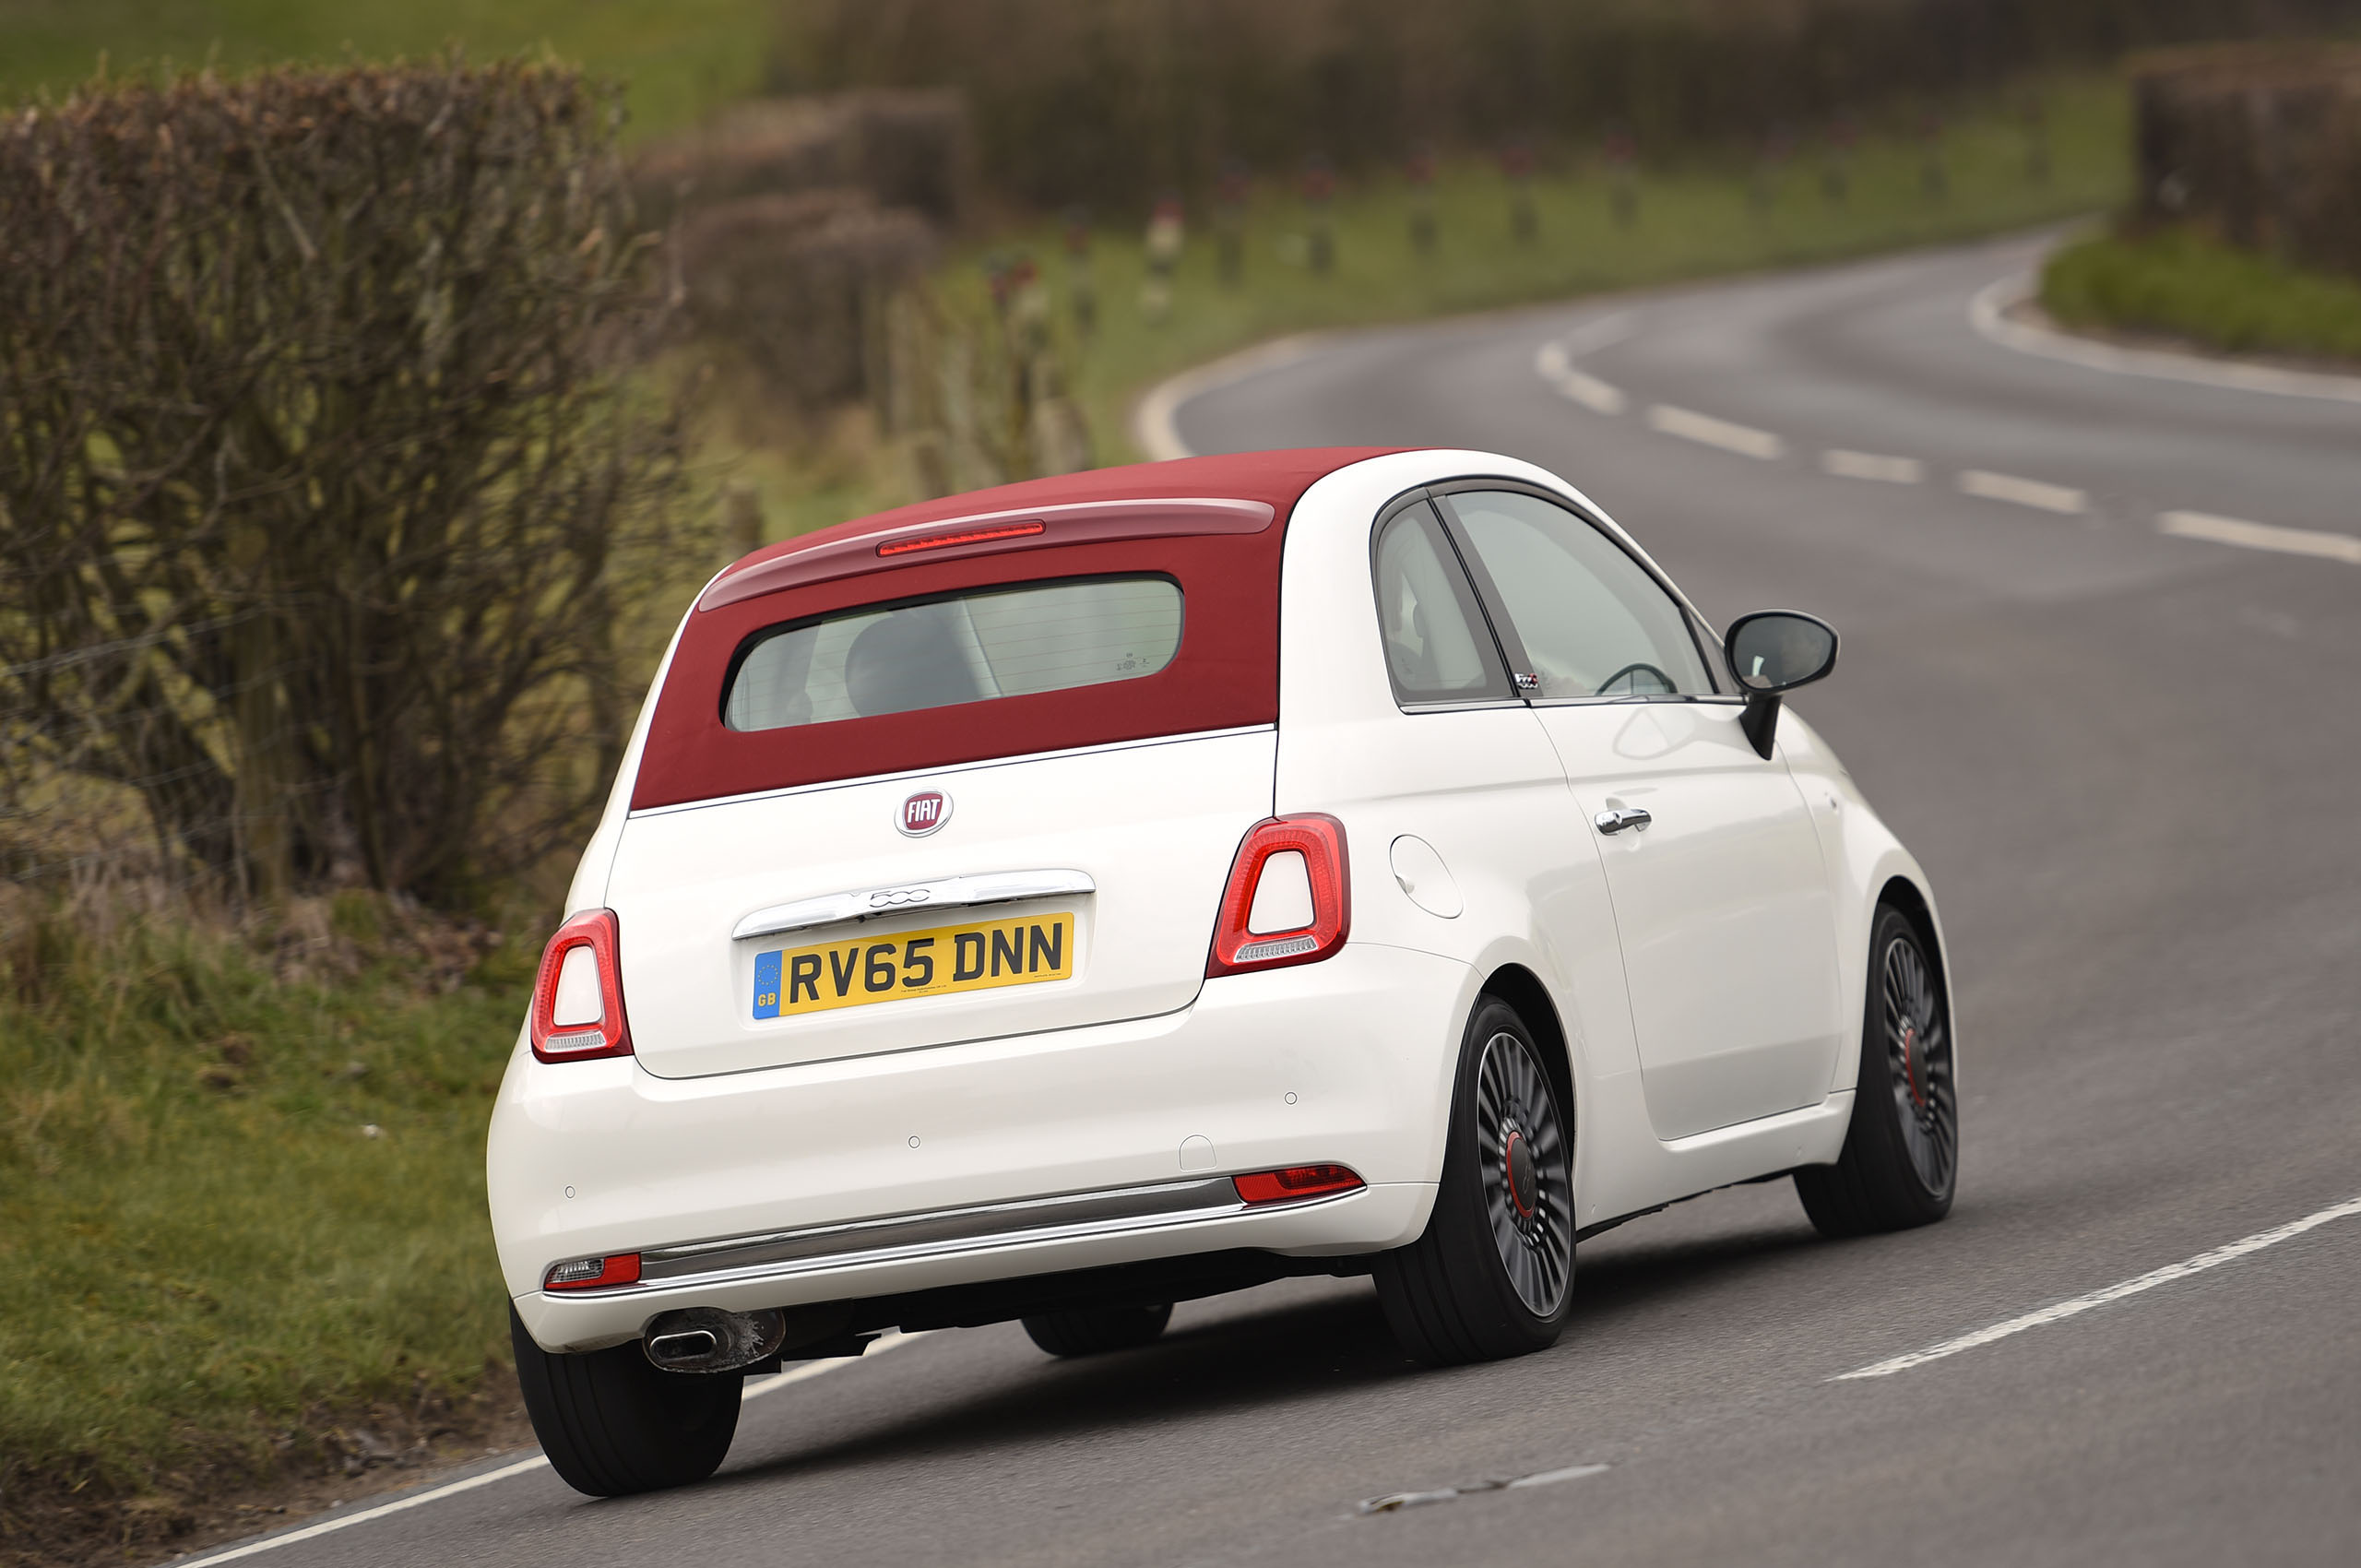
(1869,464)
(1988,313)
(1551,1478)
(537,1462)
(2022,492)
(777,1381)
(1691,425)
(2149,1281)
(2327,546)
(1152,430)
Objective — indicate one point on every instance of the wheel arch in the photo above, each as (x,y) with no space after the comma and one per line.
(1523,990)
(1907,895)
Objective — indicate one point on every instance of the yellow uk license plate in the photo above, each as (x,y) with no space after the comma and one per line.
(980,956)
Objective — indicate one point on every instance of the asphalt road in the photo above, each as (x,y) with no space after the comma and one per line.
(2131,763)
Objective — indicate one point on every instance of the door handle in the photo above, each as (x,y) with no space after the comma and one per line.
(1622,817)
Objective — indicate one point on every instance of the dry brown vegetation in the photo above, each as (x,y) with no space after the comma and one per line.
(2261,145)
(1109,101)
(320,454)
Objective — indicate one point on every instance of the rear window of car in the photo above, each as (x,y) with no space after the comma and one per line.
(1015,640)
(1164,622)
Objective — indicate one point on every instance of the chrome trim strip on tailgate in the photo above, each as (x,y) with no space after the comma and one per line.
(908,1236)
(873,903)
(952,769)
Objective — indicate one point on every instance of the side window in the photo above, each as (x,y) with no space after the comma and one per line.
(1436,648)
(1593,622)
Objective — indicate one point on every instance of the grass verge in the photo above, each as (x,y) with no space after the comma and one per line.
(241,1232)
(2187,285)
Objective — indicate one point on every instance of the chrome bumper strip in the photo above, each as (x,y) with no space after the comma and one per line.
(904,1237)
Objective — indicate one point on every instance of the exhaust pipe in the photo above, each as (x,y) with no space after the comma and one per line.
(706,1339)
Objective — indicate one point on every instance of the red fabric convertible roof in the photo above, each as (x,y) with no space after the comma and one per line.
(1202,521)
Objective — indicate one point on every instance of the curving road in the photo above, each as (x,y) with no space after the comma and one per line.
(2129,755)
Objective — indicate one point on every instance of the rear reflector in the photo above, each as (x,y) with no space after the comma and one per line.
(578,996)
(1306,911)
(1294,1183)
(588,1274)
(964,536)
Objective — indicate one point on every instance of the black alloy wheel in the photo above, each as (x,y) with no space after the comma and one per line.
(1522,1155)
(1492,1276)
(1918,1063)
(1900,1164)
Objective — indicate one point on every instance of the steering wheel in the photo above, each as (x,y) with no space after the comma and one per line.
(1663,681)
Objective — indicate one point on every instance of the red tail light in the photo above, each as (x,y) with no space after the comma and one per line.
(1294,1183)
(578,995)
(1290,934)
(589,1274)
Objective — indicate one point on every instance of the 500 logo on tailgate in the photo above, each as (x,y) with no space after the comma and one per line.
(914,963)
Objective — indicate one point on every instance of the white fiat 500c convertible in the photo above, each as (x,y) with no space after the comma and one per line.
(1061,901)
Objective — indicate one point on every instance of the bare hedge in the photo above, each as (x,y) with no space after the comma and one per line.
(1112,100)
(2261,143)
(320,465)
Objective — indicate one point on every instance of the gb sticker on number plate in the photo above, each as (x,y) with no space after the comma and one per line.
(979,956)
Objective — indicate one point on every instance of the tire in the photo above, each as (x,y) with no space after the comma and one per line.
(611,1423)
(1493,1275)
(1090,1331)
(1901,1159)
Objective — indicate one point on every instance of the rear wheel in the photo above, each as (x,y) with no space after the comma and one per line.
(1493,1274)
(1088,1331)
(611,1423)
(1901,1157)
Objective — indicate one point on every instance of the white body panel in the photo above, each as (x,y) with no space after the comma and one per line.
(1143,821)
(1723,904)
(1335,1060)
(1472,862)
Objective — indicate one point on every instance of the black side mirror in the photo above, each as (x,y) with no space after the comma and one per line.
(1773,651)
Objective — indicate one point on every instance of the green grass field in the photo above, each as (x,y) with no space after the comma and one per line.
(2189,286)
(680,57)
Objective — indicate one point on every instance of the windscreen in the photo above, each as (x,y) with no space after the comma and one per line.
(998,642)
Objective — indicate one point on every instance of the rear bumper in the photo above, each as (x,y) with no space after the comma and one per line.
(885,1174)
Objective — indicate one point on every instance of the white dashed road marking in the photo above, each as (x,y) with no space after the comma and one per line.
(2022,492)
(1869,464)
(537,1462)
(1553,362)
(1691,425)
(1590,392)
(2149,1281)
(2327,546)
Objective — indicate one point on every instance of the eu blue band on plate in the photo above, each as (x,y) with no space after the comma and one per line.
(766,984)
